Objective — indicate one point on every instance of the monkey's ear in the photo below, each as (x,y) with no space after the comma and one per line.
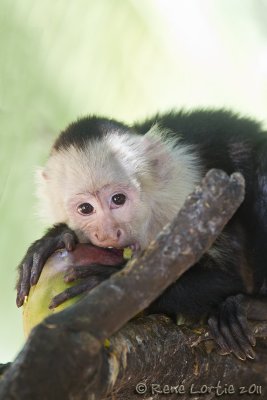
(41,180)
(45,196)
(41,174)
(157,150)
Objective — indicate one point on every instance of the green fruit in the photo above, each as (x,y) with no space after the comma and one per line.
(51,283)
(127,253)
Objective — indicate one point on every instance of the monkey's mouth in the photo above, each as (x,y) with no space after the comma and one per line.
(134,247)
(114,250)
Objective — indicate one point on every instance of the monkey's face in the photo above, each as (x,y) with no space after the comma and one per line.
(112,216)
(98,196)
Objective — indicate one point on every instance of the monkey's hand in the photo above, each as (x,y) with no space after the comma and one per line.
(59,236)
(229,327)
(87,276)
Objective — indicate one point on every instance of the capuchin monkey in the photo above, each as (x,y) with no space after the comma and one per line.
(116,186)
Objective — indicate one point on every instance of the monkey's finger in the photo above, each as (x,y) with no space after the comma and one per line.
(19,299)
(38,261)
(234,326)
(247,330)
(235,341)
(243,321)
(230,331)
(73,292)
(69,241)
(102,272)
(217,336)
(235,308)
(40,255)
(78,272)
(24,285)
(19,302)
(236,334)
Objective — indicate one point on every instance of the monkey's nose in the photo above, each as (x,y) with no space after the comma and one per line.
(108,237)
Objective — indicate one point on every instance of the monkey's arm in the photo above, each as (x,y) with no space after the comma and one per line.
(59,236)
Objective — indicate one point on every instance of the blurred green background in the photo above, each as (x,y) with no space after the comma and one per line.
(121,58)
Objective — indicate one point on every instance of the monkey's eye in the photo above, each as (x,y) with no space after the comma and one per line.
(119,199)
(85,209)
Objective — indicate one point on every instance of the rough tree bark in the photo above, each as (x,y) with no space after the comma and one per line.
(67,356)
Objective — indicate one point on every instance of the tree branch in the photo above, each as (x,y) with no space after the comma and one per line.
(149,355)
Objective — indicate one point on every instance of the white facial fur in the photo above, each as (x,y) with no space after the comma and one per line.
(153,173)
